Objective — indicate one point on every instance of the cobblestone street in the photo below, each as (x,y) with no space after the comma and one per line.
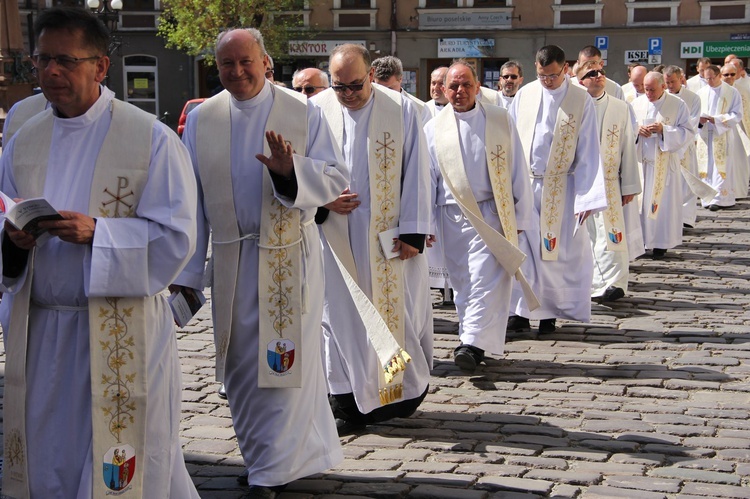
(649,400)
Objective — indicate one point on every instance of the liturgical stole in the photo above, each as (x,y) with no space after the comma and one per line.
(279,242)
(498,153)
(117,325)
(25,110)
(667,116)
(384,315)
(612,129)
(720,142)
(562,154)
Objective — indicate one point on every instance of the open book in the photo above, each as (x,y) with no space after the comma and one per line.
(26,215)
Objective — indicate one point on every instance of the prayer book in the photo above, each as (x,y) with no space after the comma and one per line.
(26,215)
(185,304)
(386,242)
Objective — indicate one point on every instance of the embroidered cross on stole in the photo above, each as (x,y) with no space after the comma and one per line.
(720,142)
(280,284)
(117,325)
(384,315)
(613,127)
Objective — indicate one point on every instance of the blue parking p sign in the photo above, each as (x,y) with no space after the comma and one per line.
(601,42)
(654,46)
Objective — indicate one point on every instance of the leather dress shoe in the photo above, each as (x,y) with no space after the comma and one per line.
(547,326)
(222,392)
(518,324)
(344,427)
(714,207)
(242,478)
(468,357)
(659,253)
(613,293)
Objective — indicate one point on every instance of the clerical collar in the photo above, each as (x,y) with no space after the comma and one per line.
(600,97)
(255,101)
(465,115)
(102,104)
(559,90)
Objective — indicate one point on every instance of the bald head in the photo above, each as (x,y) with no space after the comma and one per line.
(728,74)
(636,77)
(310,81)
(437,79)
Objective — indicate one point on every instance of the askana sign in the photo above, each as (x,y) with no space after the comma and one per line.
(719,50)
(318,47)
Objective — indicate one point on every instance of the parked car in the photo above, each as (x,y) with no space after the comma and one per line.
(189,106)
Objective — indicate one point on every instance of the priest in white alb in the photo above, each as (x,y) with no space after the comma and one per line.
(378,343)
(483,199)
(664,132)
(261,177)
(557,124)
(92,376)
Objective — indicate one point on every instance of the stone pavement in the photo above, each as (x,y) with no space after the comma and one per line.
(649,400)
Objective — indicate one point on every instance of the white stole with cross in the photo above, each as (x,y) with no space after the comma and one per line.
(498,152)
(667,116)
(117,325)
(720,142)
(562,154)
(384,315)
(279,241)
(611,135)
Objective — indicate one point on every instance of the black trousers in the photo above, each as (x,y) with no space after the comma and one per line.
(344,407)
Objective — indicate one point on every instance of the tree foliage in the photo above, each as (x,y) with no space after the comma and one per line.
(193,25)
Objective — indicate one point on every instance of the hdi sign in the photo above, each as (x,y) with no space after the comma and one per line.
(694,50)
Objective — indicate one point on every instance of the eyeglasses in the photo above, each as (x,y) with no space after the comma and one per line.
(307,90)
(354,87)
(593,74)
(728,74)
(66,61)
(509,77)
(550,77)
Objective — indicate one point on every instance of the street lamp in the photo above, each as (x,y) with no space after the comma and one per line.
(108,12)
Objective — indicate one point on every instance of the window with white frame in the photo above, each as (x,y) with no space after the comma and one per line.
(297,17)
(354,14)
(725,11)
(652,12)
(141,82)
(578,13)
(139,15)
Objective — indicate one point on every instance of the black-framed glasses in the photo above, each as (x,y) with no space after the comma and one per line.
(593,74)
(509,77)
(354,87)
(66,61)
(307,90)
(552,77)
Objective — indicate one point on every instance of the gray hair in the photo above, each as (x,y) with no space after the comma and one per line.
(253,32)
(655,75)
(388,66)
(321,74)
(512,64)
(461,62)
(672,70)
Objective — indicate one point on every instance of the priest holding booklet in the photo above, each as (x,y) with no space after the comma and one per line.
(92,369)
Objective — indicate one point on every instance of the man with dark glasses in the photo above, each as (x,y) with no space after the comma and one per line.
(511,79)
(590,57)
(309,81)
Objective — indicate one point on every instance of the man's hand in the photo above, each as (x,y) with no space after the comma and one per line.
(345,204)
(627,198)
(707,119)
(431,239)
(581,217)
(406,251)
(22,239)
(75,227)
(280,162)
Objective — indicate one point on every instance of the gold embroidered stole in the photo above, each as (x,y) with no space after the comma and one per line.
(25,110)
(279,241)
(562,153)
(613,126)
(117,325)
(697,186)
(720,142)
(385,329)
(498,153)
(667,116)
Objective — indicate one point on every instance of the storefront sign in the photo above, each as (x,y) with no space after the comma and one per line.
(694,50)
(466,47)
(317,47)
(464,19)
(636,56)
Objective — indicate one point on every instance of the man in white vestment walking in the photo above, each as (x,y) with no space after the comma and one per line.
(511,79)
(607,229)
(556,121)
(497,186)
(719,147)
(673,79)
(698,81)
(259,201)
(664,132)
(378,309)
(634,88)
(437,91)
(91,356)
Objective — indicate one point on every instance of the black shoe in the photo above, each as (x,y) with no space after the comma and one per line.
(714,207)
(344,427)
(518,324)
(260,492)
(612,294)
(687,226)
(659,253)
(242,479)
(222,392)
(547,326)
(468,357)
